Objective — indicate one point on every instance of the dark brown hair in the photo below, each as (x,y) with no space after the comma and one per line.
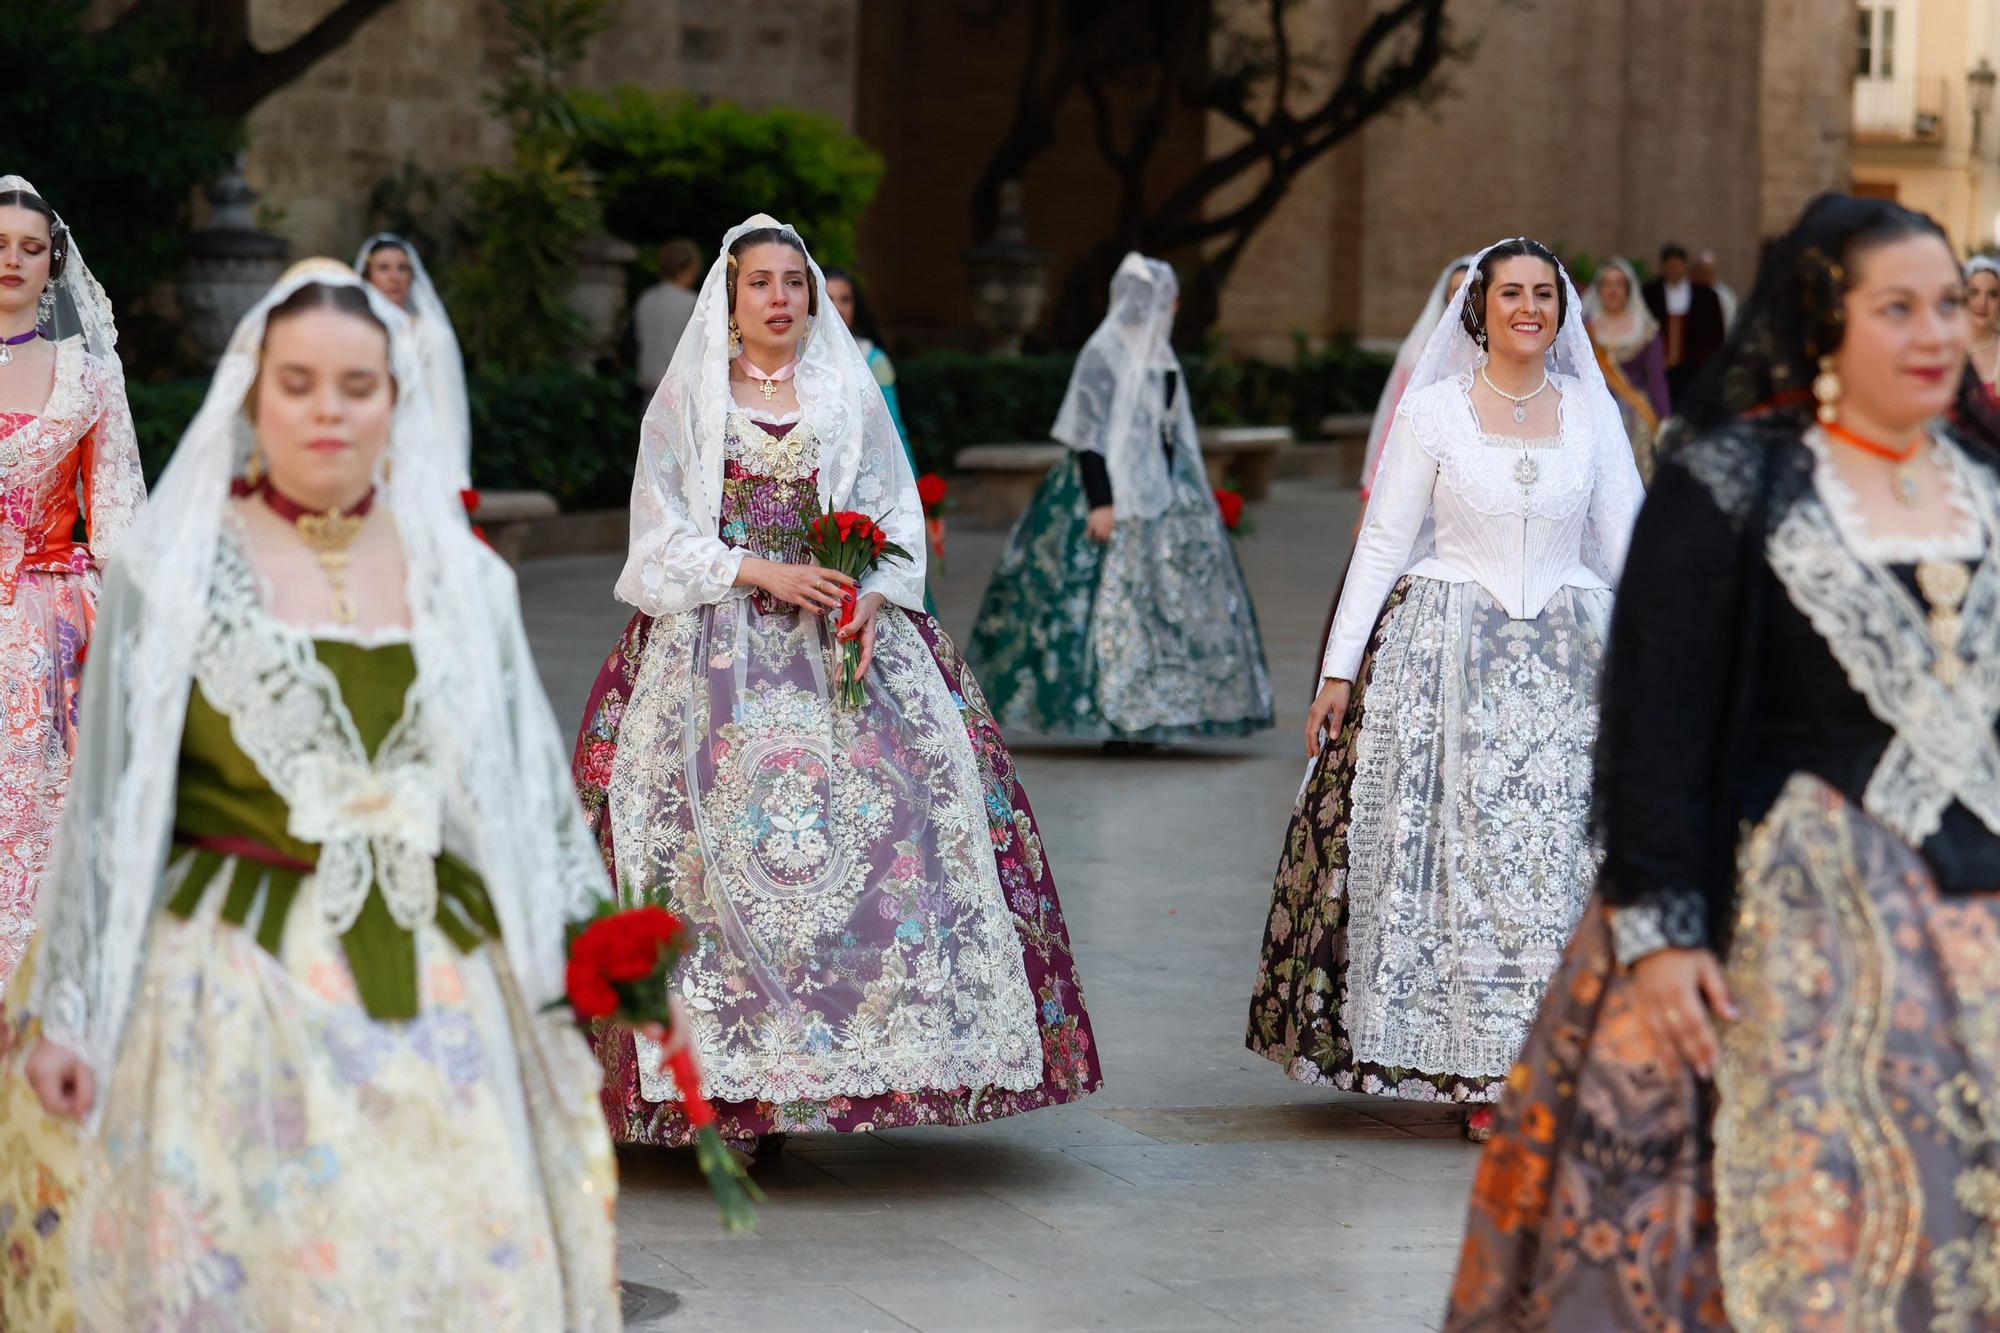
(58,234)
(678,256)
(773,236)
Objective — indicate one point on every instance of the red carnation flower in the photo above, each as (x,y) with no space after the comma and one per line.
(1231,505)
(590,993)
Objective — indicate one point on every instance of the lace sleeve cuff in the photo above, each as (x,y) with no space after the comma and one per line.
(1676,922)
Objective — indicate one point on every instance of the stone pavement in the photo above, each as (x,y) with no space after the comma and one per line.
(1201,1189)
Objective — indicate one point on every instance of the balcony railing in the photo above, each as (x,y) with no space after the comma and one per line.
(1900,110)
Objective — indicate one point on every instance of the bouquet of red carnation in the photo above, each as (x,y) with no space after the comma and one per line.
(621,969)
(932,490)
(853,544)
(1231,504)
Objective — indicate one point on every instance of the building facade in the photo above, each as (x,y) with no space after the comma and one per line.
(1600,126)
(1923,106)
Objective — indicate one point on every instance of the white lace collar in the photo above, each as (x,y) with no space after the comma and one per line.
(766,416)
(1965,541)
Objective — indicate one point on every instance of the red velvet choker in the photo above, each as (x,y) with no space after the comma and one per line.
(327,534)
(292,511)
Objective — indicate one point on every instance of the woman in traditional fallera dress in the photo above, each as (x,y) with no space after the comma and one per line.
(878,941)
(309,899)
(1982,307)
(394,268)
(1630,353)
(1799,798)
(1440,850)
(1118,611)
(66,451)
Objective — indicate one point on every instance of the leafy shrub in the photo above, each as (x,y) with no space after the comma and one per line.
(668,165)
(558,429)
(99,123)
(952,399)
(160,413)
(509,293)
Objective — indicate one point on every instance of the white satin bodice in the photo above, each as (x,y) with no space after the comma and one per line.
(1521,518)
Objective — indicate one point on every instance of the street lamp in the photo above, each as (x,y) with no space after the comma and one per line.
(1979,93)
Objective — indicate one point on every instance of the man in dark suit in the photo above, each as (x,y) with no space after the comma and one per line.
(1690,317)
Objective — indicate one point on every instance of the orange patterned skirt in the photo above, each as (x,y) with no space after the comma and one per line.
(1845,1173)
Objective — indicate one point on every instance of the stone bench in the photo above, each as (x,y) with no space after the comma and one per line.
(1348,433)
(1246,454)
(1006,476)
(507,516)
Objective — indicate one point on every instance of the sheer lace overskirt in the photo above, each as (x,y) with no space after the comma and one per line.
(837,867)
(272,1157)
(1469,845)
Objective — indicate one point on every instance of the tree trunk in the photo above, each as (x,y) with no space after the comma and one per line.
(233,76)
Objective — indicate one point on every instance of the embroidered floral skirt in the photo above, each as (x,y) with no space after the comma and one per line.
(271,1157)
(42,636)
(1439,854)
(39,1169)
(879,941)
(1844,1175)
(1149,637)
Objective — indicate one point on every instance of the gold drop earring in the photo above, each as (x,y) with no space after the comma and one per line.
(1826,388)
(735,338)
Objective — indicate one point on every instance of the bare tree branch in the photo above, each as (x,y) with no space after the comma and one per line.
(1394,58)
(233,75)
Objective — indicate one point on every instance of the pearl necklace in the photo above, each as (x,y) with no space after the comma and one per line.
(1520,401)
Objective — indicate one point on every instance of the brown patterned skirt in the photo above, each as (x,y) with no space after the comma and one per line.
(1853,1177)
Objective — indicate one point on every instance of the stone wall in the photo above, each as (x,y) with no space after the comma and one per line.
(1808,107)
(410,87)
(1597,126)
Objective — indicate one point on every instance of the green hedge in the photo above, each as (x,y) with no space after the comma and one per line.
(573,434)
(559,430)
(953,399)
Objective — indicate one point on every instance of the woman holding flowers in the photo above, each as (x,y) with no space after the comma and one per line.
(874,934)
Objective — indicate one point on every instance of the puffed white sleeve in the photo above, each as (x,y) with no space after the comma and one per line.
(671,564)
(1396,509)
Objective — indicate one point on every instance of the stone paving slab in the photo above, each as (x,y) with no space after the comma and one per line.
(1202,1189)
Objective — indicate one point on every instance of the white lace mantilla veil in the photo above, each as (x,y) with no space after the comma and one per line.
(1640,326)
(82,308)
(443,363)
(510,809)
(1406,360)
(1982,264)
(677,561)
(1112,406)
